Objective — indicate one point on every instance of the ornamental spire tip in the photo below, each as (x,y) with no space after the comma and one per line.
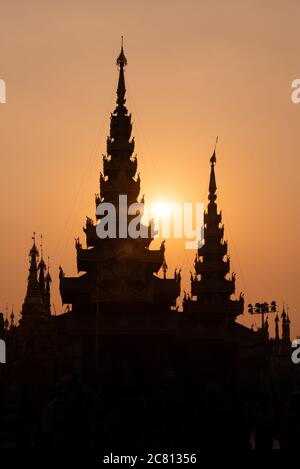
(121,60)
(213,158)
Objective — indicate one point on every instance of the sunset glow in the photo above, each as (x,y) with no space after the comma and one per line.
(161,210)
(222,76)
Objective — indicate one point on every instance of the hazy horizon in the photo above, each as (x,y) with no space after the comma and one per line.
(195,70)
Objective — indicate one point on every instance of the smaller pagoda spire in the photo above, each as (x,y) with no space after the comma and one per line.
(48,282)
(12,318)
(285,327)
(210,284)
(288,325)
(288,322)
(6,322)
(285,340)
(33,305)
(276,328)
(33,254)
(266,328)
(283,317)
(42,269)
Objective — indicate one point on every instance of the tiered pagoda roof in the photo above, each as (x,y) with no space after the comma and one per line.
(211,284)
(119,269)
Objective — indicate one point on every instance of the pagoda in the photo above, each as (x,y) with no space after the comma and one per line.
(211,284)
(119,274)
(32,343)
(36,306)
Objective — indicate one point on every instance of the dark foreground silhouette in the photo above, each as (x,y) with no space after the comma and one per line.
(74,416)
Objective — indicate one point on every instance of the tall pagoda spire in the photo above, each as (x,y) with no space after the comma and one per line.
(210,283)
(120,269)
(119,166)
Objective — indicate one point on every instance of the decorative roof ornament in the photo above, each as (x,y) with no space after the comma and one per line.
(121,90)
(121,60)
(213,158)
(33,250)
(212,179)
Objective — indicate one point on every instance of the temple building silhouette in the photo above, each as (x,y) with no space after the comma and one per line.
(210,285)
(122,345)
(122,269)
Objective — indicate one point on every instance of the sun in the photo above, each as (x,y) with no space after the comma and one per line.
(161,210)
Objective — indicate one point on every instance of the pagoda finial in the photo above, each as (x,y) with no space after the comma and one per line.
(212,181)
(213,158)
(121,60)
(33,254)
(121,90)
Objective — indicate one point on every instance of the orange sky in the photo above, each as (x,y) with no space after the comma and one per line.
(197,69)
